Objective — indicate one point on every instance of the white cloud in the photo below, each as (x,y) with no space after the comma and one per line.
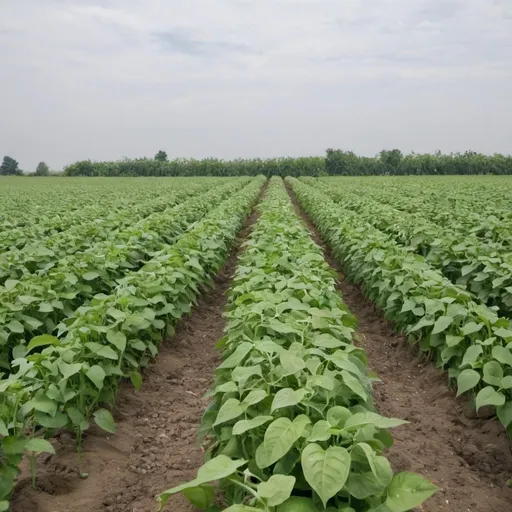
(234,78)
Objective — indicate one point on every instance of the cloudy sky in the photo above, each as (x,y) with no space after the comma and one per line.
(103,79)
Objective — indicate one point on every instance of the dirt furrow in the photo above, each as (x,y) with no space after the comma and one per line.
(468,458)
(155,445)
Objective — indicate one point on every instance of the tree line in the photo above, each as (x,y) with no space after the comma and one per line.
(336,162)
(393,162)
(10,167)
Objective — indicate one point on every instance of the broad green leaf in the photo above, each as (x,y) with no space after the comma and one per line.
(325,470)
(361,419)
(44,404)
(13,445)
(504,413)
(3,429)
(342,361)
(493,373)
(281,328)
(280,436)
(59,420)
(102,351)
(408,305)
(442,323)
(90,276)
(502,332)
(117,338)
(254,397)
(76,417)
(453,341)
(104,420)
(10,284)
(238,356)
(298,504)
(43,341)
(380,466)
(327,341)
(408,490)
(136,379)
(287,397)
(45,307)
(363,485)
(276,489)
(228,387)
(244,425)
(15,326)
(68,370)
(291,363)
(215,469)
(471,354)
(354,384)
(242,374)
(201,496)
(39,446)
(320,431)
(502,354)
(489,396)
(337,416)
(467,380)
(230,410)
(471,328)
(97,375)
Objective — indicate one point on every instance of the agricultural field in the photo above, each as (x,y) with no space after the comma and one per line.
(241,344)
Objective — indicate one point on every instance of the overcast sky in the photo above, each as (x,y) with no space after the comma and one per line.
(103,79)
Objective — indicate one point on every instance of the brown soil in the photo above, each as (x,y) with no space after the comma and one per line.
(155,446)
(468,458)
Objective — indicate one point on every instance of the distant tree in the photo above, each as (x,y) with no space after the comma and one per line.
(42,169)
(161,156)
(391,160)
(9,167)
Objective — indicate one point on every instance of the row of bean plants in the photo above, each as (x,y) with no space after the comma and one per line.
(484,267)
(291,426)
(64,382)
(467,338)
(480,205)
(38,214)
(34,253)
(36,303)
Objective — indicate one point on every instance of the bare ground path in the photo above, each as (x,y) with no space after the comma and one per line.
(468,458)
(155,445)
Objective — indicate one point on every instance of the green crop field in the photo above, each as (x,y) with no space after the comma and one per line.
(95,273)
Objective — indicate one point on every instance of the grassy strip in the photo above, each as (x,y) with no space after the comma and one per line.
(291,426)
(64,385)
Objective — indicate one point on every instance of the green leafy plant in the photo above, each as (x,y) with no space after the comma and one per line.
(466,337)
(291,424)
(65,381)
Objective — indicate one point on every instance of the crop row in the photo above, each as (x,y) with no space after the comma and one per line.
(478,205)
(37,303)
(485,268)
(28,250)
(39,215)
(467,338)
(291,425)
(62,385)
